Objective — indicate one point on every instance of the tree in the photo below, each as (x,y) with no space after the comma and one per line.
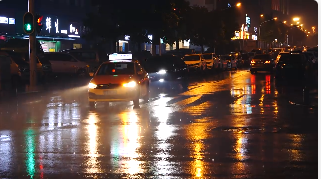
(229,23)
(103,26)
(178,31)
(199,26)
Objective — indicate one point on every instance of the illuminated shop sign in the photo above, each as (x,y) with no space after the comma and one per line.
(6,20)
(12,21)
(54,23)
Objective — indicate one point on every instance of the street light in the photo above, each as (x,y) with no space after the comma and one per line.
(296,19)
(261,15)
(284,22)
(275,18)
(238,4)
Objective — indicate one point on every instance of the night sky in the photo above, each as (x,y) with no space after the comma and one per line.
(307,10)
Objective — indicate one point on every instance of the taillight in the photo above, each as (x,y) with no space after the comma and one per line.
(252,61)
(268,61)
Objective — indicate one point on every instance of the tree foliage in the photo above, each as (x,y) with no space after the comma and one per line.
(273,29)
(171,20)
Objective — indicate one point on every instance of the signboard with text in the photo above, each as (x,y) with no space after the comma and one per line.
(55,27)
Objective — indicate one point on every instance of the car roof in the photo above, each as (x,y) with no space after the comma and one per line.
(121,61)
(192,54)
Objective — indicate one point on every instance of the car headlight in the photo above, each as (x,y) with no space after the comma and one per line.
(161,72)
(92,86)
(130,84)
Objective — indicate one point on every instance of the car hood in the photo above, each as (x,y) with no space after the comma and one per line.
(113,79)
(191,62)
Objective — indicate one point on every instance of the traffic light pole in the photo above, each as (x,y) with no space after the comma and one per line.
(32,50)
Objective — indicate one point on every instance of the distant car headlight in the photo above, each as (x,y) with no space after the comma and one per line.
(130,84)
(92,86)
(161,72)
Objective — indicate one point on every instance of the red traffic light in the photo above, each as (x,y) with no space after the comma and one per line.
(39,19)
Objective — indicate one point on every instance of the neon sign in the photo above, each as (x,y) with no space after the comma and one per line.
(48,24)
(3,20)
(56,25)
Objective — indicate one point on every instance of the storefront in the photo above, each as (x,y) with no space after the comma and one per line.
(62,34)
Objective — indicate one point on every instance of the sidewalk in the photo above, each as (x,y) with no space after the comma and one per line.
(25,93)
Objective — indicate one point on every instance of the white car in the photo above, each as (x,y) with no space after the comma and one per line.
(228,62)
(209,59)
(66,63)
(195,62)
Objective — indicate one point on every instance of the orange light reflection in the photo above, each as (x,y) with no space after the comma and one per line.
(92,164)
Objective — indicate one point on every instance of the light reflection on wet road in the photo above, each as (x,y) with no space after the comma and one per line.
(230,125)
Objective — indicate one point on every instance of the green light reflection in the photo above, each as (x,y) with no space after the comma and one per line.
(30,152)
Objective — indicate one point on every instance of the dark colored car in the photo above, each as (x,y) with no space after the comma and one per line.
(43,65)
(262,62)
(245,60)
(294,65)
(18,67)
(165,68)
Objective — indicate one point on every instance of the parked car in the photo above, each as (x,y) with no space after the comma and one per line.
(66,63)
(195,62)
(43,65)
(262,62)
(209,59)
(228,62)
(93,58)
(19,69)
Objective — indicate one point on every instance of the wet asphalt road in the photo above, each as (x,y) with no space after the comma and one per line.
(228,125)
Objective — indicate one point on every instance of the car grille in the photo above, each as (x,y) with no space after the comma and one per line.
(108,86)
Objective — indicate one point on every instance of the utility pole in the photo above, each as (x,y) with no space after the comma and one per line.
(160,47)
(32,49)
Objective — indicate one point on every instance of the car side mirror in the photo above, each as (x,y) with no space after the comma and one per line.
(140,72)
(91,74)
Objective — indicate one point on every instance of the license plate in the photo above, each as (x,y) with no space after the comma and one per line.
(112,92)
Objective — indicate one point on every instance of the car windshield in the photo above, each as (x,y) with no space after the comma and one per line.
(125,68)
(262,57)
(291,59)
(192,58)
(208,56)
(226,57)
